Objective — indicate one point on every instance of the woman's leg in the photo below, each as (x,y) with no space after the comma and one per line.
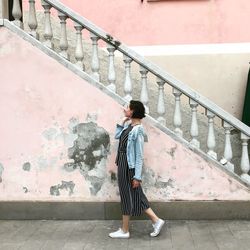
(150,213)
(125,223)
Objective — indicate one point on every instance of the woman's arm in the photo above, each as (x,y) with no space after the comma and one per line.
(139,142)
(119,127)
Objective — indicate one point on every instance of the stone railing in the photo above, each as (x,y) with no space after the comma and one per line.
(196,101)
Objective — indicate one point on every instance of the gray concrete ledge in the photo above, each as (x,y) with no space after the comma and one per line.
(173,210)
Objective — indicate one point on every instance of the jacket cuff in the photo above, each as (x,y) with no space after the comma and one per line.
(119,126)
(137,179)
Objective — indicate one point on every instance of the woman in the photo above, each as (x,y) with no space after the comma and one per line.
(129,161)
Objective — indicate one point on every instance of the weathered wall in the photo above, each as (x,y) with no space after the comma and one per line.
(57,139)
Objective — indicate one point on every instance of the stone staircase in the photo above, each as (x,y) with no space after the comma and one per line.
(224,144)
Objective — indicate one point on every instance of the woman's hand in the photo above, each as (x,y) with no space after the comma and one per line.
(135,183)
(125,119)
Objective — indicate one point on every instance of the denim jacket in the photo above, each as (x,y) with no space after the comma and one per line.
(136,138)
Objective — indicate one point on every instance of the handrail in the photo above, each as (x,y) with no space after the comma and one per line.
(153,68)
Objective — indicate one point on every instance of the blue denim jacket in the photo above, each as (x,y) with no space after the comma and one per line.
(136,138)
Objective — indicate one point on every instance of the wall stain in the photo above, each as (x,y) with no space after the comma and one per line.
(26,166)
(151,180)
(1,172)
(91,145)
(25,189)
(89,153)
(164,184)
(113,177)
(67,185)
(50,134)
(172,151)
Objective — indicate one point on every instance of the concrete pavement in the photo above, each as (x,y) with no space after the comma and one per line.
(90,235)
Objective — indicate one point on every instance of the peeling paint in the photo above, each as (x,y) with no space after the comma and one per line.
(113,177)
(66,185)
(72,123)
(26,166)
(1,172)
(69,167)
(151,180)
(42,162)
(172,151)
(50,133)
(89,153)
(164,184)
(91,138)
(25,189)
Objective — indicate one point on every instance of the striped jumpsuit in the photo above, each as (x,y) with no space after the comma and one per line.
(133,200)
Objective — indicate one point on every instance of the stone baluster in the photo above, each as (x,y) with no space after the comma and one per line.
(211,143)
(111,69)
(177,112)
(63,45)
(79,48)
(17,13)
(228,153)
(144,88)
(127,83)
(161,103)
(95,65)
(244,163)
(32,19)
(48,34)
(194,130)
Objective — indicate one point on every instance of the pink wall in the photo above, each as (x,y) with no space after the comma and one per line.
(42,102)
(169,22)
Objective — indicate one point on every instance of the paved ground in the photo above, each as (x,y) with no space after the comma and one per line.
(90,235)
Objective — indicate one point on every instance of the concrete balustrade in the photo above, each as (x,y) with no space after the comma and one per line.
(177,112)
(245,167)
(95,64)
(32,19)
(111,68)
(127,79)
(144,88)
(63,40)
(79,48)
(211,143)
(48,34)
(161,104)
(194,129)
(17,13)
(228,153)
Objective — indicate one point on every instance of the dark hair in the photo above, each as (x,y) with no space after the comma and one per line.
(138,109)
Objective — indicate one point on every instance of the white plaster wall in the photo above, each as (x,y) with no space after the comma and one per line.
(41,103)
(221,77)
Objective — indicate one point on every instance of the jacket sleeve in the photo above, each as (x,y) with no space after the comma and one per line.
(118,131)
(139,142)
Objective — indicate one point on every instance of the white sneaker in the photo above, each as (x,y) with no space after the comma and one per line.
(119,234)
(157,227)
